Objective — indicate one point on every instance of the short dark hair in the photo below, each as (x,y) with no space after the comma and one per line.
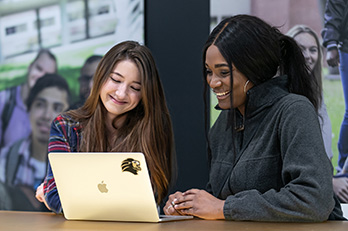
(93,58)
(48,80)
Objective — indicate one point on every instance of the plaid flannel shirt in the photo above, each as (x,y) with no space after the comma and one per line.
(65,137)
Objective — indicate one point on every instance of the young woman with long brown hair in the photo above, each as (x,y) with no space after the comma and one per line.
(126,111)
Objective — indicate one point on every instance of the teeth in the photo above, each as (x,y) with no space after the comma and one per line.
(222,93)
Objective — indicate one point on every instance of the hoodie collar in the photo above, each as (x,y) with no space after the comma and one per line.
(265,95)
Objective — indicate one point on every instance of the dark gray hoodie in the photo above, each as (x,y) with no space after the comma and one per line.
(279,170)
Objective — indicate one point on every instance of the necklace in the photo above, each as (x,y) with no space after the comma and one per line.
(240,126)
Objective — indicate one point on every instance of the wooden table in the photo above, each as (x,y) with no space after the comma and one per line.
(35,221)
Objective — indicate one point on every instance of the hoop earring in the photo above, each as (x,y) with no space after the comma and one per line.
(245,85)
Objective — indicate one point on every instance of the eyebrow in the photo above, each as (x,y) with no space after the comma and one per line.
(58,103)
(221,65)
(311,46)
(218,65)
(41,99)
(116,73)
(39,66)
(119,74)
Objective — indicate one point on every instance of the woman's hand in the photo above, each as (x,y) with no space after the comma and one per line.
(197,203)
(40,195)
(169,209)
(340,187)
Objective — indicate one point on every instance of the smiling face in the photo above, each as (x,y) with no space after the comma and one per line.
(43,65)
(46,106)
(219,80)
(309,48)
(122,90)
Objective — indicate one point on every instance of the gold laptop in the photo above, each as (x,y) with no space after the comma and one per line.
(106,186)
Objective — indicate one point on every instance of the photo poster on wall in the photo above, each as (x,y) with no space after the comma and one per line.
(49,50)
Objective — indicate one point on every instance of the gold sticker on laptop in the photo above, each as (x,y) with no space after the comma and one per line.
(131,165)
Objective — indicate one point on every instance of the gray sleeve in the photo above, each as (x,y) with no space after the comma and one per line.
(306,194)
(326,130)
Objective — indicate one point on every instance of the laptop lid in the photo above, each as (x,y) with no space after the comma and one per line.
(105,186)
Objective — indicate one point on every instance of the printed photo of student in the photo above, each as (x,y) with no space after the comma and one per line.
(14,116)
(86,79)
(23,165)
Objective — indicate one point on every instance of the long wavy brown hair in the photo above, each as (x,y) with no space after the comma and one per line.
(147,128)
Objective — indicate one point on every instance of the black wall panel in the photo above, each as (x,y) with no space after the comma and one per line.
(175,31)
